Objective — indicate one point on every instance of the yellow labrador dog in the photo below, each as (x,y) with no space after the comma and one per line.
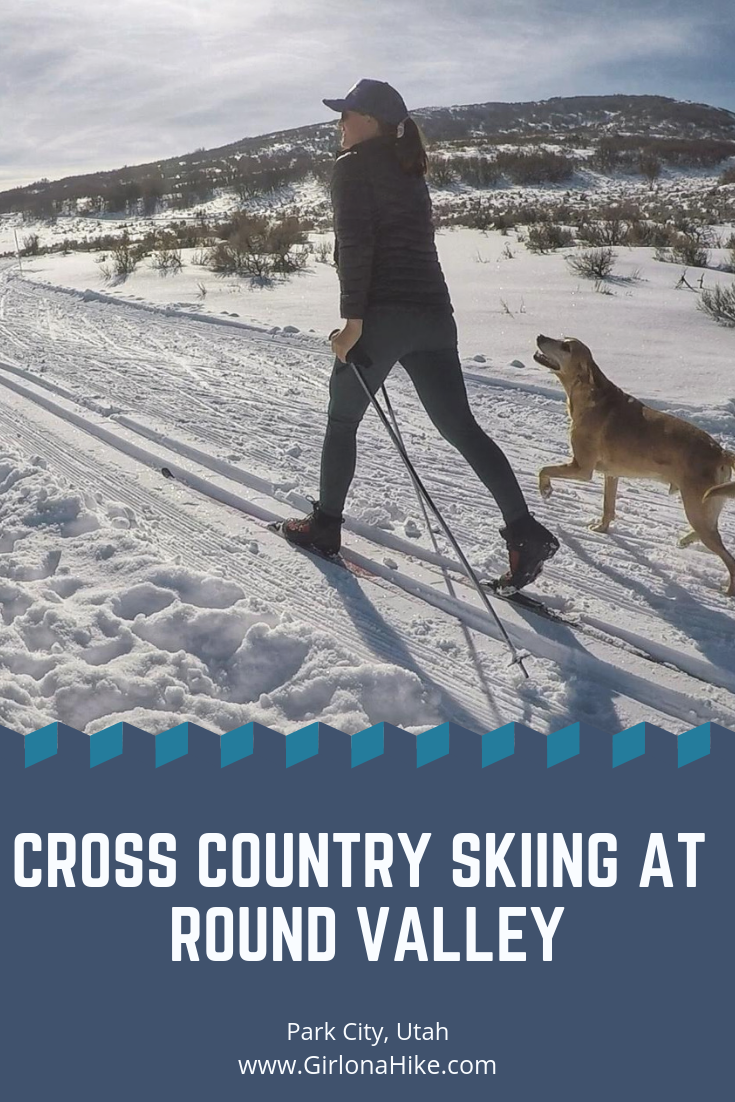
(621,437)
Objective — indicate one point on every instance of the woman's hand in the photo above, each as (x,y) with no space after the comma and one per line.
(342,340)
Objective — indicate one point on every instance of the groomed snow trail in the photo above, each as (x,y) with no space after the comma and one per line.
(242,413)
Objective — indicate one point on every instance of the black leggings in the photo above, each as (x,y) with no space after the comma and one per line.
(425,344)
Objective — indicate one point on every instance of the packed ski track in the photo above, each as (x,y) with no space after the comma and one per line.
(150,599)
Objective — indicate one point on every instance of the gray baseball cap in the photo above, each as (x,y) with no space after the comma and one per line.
(372,97)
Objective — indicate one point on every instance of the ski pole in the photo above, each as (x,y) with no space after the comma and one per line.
(422,503)
(395,436)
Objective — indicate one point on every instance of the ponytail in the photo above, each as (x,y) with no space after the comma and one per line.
(409,145)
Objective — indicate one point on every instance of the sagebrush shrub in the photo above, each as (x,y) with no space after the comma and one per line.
(689,251)
(719,304)
(31,245)
(323,252)
(480,216)
(608,231)
(650,167)
(593,263)
(654,235)
(547,236)
(258,248)
(441,173)
(730,261)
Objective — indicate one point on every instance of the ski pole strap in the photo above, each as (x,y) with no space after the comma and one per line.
(395,436)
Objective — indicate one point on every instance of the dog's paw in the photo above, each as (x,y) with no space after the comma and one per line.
(599,525)
(544,487)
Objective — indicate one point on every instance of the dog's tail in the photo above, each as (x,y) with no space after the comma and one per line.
(724,489)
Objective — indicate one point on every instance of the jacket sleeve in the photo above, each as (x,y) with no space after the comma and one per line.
(354,234)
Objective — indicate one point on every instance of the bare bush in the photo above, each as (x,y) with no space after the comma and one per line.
(324,252)
(123,257)
(719,304)
(612,230)
(504,222)
(483,171)
(243,252)
(632,151)
(606,157)
(167,257)
(547,236)
(258,248)
(31,245)
(103,263)
(479,216)
(650,167)
(595,264)
(476,171)
(689,251)
(285,241)
(685,249)
(244,181)
(654,235)
(228,258)
(440,173)
(535,167)
(730,245)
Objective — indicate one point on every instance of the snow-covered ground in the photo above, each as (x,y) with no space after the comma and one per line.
(126,595)
(645,333)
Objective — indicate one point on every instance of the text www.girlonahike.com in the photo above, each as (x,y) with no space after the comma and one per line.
(337,1065)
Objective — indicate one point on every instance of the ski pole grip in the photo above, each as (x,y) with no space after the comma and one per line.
(355,355)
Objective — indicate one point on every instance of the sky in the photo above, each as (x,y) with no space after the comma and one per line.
(87,85)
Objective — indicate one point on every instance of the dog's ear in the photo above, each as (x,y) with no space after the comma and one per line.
(592,371)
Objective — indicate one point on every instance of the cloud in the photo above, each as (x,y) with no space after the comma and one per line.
(94,85)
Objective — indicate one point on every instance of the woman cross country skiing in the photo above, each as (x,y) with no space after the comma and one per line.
(395,303)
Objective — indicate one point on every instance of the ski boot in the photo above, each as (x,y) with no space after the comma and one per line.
(318,531)
(530,545)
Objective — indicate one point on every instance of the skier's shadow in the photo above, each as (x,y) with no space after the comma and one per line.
(387,643)
(719,651)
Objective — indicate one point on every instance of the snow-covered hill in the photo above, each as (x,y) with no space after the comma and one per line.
(127,595)
(592,141)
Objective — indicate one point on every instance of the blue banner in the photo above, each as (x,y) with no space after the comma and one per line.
(252,915)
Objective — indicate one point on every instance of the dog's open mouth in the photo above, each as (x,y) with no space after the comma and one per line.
(540,358)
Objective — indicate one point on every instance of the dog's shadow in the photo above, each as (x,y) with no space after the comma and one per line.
(709,628)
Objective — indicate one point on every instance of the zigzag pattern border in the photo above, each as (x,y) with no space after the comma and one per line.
(264,745)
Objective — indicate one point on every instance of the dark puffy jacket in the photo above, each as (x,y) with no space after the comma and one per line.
(384,237)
